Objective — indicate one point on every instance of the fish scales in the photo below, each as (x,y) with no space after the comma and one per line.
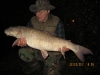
(46,42)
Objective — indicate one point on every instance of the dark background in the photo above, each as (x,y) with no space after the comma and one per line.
(84,31)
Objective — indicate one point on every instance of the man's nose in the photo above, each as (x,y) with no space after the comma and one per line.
(38,14)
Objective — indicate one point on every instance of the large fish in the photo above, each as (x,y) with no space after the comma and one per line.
(44,41)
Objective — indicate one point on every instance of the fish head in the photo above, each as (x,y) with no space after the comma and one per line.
(13,31)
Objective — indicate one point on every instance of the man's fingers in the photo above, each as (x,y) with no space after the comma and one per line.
(24,41)
(64,47)
(21,42)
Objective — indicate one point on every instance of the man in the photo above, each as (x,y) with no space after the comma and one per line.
(46,22)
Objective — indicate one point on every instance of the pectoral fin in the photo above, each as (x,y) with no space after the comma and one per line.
(44,54)
(15,42)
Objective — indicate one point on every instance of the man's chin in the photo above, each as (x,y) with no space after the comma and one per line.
(40,21)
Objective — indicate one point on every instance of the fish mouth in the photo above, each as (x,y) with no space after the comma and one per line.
(6,33)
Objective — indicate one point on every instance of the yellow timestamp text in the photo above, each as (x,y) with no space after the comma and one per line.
(81,64)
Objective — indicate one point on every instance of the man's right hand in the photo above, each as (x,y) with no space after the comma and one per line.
(22,42)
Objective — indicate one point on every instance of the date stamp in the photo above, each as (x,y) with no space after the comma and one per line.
(81,64)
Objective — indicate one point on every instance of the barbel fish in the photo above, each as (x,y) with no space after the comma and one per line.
(44,41)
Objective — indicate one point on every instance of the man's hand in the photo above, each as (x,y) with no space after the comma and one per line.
(64,49)
(22,42)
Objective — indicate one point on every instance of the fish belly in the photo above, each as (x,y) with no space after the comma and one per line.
(50,44)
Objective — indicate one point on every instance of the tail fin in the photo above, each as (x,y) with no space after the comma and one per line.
(80,50)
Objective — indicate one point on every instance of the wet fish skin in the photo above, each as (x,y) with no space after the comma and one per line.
(45,42)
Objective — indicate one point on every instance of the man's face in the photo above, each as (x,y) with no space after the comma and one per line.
(42,15)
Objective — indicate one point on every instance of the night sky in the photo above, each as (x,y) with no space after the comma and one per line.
(80,18)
